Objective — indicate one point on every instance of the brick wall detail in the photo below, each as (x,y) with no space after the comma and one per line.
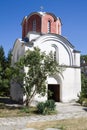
(41,24)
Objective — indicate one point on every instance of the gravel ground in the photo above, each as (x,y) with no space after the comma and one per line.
(65,111)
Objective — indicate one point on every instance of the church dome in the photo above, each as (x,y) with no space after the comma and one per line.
(41,22)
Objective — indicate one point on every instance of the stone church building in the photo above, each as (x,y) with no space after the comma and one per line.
(43,30)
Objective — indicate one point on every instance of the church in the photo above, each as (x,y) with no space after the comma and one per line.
(43,30)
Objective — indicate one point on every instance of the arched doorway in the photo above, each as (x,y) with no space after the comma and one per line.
(54,89)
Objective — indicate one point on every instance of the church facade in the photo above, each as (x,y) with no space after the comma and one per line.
(43,30)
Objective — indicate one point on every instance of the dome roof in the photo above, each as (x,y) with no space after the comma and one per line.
(41,14)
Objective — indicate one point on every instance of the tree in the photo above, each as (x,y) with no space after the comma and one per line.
(9,58)
(83,58)
(84,86)
(2,57)
(39,67)
(2,68)
(83,93)
(4,73)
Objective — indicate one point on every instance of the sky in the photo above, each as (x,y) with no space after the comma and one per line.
(73,14)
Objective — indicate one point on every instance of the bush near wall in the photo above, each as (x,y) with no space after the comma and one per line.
(46,107)
(83,94)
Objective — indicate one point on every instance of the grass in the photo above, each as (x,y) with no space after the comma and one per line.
(9,108)
(15,111)
(67,124)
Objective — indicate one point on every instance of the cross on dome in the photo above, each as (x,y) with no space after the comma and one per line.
(41,8)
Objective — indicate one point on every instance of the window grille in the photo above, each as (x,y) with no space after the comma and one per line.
(49,26)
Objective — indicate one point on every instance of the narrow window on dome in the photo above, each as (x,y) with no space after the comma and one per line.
(49,26)
(34,25)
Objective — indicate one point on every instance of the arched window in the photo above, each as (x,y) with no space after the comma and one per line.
(49,26)
(56,53)
(34,25)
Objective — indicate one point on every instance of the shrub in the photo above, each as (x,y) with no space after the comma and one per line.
(84,103)
(50,104)
(46,108)
(80,98)
(41,107)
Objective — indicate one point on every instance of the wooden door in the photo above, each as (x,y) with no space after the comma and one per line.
(55,89)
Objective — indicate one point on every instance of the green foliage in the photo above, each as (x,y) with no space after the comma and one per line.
(39,67)
(50,93)
(84,102)
(2,57)
(25,110)
(46,108)
(50,104)
(83,57)
(9,58)
(83,93)
(83,86)
(4,73)
(80,99)
(41,107)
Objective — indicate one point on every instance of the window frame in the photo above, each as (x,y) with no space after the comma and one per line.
(34,25)
(49,26)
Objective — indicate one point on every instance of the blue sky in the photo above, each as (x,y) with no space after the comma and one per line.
(73,14)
